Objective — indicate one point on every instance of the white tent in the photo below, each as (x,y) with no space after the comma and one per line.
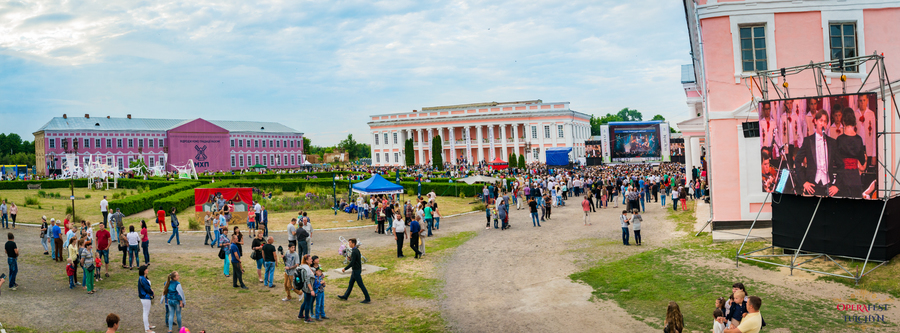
(479,179)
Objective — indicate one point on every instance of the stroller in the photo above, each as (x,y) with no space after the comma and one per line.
(345,251)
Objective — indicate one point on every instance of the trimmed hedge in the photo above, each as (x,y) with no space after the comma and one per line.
(45,184)
(290,176)
(154,184)
(180,200)
(144,201)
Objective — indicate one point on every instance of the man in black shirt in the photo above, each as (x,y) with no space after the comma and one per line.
(389,216)
(356,274)
(13,253)
(268,252)
(257,245)
(534,217)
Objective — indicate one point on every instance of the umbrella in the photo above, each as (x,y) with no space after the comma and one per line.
(258,166)
(479,179)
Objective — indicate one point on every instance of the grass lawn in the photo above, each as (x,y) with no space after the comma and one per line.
(86,208)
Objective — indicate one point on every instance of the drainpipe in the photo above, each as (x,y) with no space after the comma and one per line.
(705,113)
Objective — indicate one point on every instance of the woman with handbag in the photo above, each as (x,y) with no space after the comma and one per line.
(174,300)
(87,261)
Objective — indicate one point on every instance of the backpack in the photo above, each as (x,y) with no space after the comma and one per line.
(300,278)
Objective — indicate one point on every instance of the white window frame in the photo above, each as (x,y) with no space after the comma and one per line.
(151,142)
(161,143)
(844,16)
(232,143)
(396,158)
(118,143)
(152,161)
(744,20)
(377,158)
(560,131)
(395,137)
(98,143)
(241,159)
(385,139)
(265,160)
(534,132)
(109,144)
(547,132)
(376,139)
(232,161)
(53,143)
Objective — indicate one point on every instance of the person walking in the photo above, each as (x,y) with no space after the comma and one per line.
(399,235)
(238,276)
(173,299)
(123,246)
(302,236)
(356,274)
(636,220)
(291,262)
(134,242)
(268,251)
(3,217)
(225,246)
(586,207)
(207,223)
(415,230)
(104,209)
(145,242)
(45,235)
(13,211)
(292,232)
(145,293)
(161,220)
(12,254)
(532,205)
(175,225)
(103,241)
(265,221)
(307,278)
(436,214)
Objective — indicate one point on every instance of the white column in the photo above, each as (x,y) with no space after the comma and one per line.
(451,138)
(467,133)
(429,145)
(503,141)
(688,156)
(515,144)
(444,137)
(695,147)
(480,141)
(419,149)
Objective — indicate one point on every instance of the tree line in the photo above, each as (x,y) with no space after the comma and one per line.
(356,150)
(13,150)
(625,114)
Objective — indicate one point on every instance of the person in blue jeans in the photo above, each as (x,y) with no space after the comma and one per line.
(268,251)
(534,216)
(175,225)
(624,220)
(319,286)
(12,251)
(174,300)
(429,218)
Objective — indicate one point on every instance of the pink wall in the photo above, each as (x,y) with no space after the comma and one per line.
(725,182)
(798,40)
(202,142)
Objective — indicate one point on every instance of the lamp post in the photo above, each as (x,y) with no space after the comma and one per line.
(72,176)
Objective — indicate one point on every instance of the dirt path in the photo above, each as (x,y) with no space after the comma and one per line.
(517,280)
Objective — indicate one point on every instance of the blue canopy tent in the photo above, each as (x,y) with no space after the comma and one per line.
(558,156)
(377,185)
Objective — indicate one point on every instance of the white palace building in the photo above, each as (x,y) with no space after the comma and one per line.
(480,132)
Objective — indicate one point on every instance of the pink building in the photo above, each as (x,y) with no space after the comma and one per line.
(480,132)
(731,40)
(213,145)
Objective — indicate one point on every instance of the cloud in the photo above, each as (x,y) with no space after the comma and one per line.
(323,66)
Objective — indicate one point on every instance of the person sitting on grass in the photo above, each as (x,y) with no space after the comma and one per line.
(718,321)
(674,322)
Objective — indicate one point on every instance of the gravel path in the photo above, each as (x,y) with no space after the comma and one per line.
(517,280)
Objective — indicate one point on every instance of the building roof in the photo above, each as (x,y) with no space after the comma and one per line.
(687,74)
(151,124)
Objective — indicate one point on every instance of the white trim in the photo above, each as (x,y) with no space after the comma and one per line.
(750,167)
(719,9)
(739,20)
(745,111)
(844,16)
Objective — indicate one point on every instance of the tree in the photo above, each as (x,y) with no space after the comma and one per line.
(629,115)
(363,150)
(512,162)
(307,146)
(659,117)
(624,114)
(139,163)
(348,145)
(437,146)
(409,152)
(522,161)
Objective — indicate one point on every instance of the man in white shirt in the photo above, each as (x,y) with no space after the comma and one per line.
(767,124)
(867,129)
(104,209)
(258,209)
(816,162)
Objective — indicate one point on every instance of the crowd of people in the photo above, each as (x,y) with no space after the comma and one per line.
(738,313)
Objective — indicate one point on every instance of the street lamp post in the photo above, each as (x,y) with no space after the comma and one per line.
(72,175)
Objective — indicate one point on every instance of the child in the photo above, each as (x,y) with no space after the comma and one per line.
(487,215)
(319,286)
(719,321)
(70,271)
(495,215)
(738,308)
(720,304)
(97,264)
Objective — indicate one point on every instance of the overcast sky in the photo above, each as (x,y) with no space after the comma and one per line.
(322,66)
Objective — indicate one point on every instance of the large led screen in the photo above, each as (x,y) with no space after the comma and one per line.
(635,141)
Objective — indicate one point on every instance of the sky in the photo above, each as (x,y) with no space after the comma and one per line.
(321,67)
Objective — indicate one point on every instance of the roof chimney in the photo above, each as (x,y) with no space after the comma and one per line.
(64,116)
(415,110)
(129,116)
(87,116)
(107,117)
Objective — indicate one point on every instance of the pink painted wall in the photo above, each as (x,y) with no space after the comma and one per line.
(202,142)
(882,27)
(796,44)
(725,183)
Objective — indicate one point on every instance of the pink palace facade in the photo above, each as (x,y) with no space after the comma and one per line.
(480,132)
(213,145)
(730,40)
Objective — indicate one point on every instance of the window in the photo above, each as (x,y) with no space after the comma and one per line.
(395,138)
(377,157)
(240,143)
(256,158)
(152,159)
(232,161)
(547,131)
(248,143)
(121,165)
(109,161)
(396,158)
(161,143)
(151,143)
(293,160)
(385,141)
(534,132)
(278,144)
(109,144)
(843,43)
(292,146)
(130,143)
(285,160)
(271,159)
(87,143)
(753,48)
(162,161)
(265,162)
(256,143)
(241,159)
(387,158)
(140,143)
(130,159)
(53,143)
(97,143)
(559,128)
(298,144)
(264,144)
(119,143)
(232,143)
(277,160)
(376,139)
(271,144)
(536,153)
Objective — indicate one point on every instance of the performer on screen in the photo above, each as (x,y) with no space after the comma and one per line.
(852,158)
(768,172)
(866,128)
(813,105)
(767,124)
(837,123)
(816,163)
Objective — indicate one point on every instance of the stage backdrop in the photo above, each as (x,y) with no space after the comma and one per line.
(593,150)
(842,226)
(636,142)
(201,141)
(204,202)
(844,126)
(676,149)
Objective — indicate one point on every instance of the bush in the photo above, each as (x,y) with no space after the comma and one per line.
(31,201)
(193,224)
(479,207)
(45,184)
(141,202)
(74,216)
(87,196)
(42,194)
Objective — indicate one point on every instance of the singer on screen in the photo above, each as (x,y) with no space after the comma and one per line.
(817,163)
